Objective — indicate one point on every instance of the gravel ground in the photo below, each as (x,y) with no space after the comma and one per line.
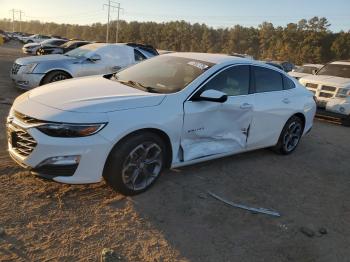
(176,220)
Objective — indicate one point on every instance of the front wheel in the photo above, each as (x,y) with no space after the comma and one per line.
(135,164)
(55,76)
(290,136)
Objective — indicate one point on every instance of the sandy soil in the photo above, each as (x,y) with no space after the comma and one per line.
(176,220)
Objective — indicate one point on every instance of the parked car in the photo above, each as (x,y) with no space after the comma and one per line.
(92,59)
(36,48)
(64,48)
(169,111)
(287,66)
(34,38)
(4,36)
(275,65)
(331,86)
(305,70)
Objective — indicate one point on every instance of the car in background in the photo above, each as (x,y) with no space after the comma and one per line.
(36,48)
(305,70)
(169,111)
(64,48)
(92,59)
(331,87)
(287,66)
(274,65)
(34,38)
(4,36)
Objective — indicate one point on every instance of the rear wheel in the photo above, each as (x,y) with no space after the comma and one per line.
(290,136)
(40,51)
(55,76)
(135,164)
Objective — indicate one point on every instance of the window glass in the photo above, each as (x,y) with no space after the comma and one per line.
(234,81)
(267,80)
(287,83)
(138,56)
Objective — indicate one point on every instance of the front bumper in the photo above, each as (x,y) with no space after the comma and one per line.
(92,152)
(26,81)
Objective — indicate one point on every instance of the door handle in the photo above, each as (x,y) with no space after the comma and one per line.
(286,101)
(246,106)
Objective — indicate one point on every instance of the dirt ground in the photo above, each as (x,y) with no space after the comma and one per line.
(176,220)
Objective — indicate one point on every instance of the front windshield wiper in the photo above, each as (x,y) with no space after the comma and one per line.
(137,85)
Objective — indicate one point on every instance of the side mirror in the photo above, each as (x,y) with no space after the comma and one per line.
(94,58)
(314,71)
(212,95)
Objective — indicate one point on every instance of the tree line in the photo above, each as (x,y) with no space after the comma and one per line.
(307,41)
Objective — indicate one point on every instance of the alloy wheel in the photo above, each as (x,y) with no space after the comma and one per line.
(142,166)
(292,136)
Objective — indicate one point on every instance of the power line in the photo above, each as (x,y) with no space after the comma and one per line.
(110,6)
(16,11)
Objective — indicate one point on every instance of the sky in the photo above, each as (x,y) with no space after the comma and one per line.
(219,13)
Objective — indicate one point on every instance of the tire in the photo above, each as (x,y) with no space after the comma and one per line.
(55,76)
(290,136)
(40,51)
(346,121)
(126,170)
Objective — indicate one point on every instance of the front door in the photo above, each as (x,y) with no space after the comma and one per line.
(212,128)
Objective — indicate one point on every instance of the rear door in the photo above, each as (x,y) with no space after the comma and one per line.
(212,128)
(273,105)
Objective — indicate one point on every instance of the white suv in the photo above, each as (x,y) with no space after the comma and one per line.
(169,111)
(331,86)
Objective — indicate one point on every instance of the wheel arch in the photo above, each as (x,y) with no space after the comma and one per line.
(54,70)
(160,133)
(302,117)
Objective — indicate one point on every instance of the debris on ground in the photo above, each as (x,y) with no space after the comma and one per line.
(251,209)
(109,255)
(322,231)
(5,101)
(307,231)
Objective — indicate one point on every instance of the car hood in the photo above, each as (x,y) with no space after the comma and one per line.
(326,80)
(31,45)
(43,58)
(94,94)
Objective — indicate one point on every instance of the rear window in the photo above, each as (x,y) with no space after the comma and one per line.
(287,83)
(267,80)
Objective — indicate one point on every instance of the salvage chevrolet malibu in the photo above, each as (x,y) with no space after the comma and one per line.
(169,111)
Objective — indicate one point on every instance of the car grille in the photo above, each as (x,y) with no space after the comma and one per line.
(325,95)
(311,85)
(26,119)
(15,68)
(20,140)
(329,88)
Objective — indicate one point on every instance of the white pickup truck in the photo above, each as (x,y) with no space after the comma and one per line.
(331,86)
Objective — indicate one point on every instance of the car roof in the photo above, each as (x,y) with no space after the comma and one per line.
(211,58)
(344,62)
(313,65)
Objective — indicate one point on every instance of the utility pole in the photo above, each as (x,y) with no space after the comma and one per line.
(20,19)
(14,11)
(109,6)
(13,19)
(117,30)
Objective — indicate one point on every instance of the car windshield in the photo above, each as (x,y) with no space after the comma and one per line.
(335,70)
(162,74)
(305,69)
(82,51)
(48,42)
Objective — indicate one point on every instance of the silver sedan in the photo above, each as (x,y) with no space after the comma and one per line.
(92,59)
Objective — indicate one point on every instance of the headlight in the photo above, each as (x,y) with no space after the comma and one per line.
(70,130)
(343,92)
(27,69)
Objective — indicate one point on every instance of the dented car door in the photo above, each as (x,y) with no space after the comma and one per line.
(212,128)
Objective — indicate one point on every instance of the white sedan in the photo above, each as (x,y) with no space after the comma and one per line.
(169,111)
